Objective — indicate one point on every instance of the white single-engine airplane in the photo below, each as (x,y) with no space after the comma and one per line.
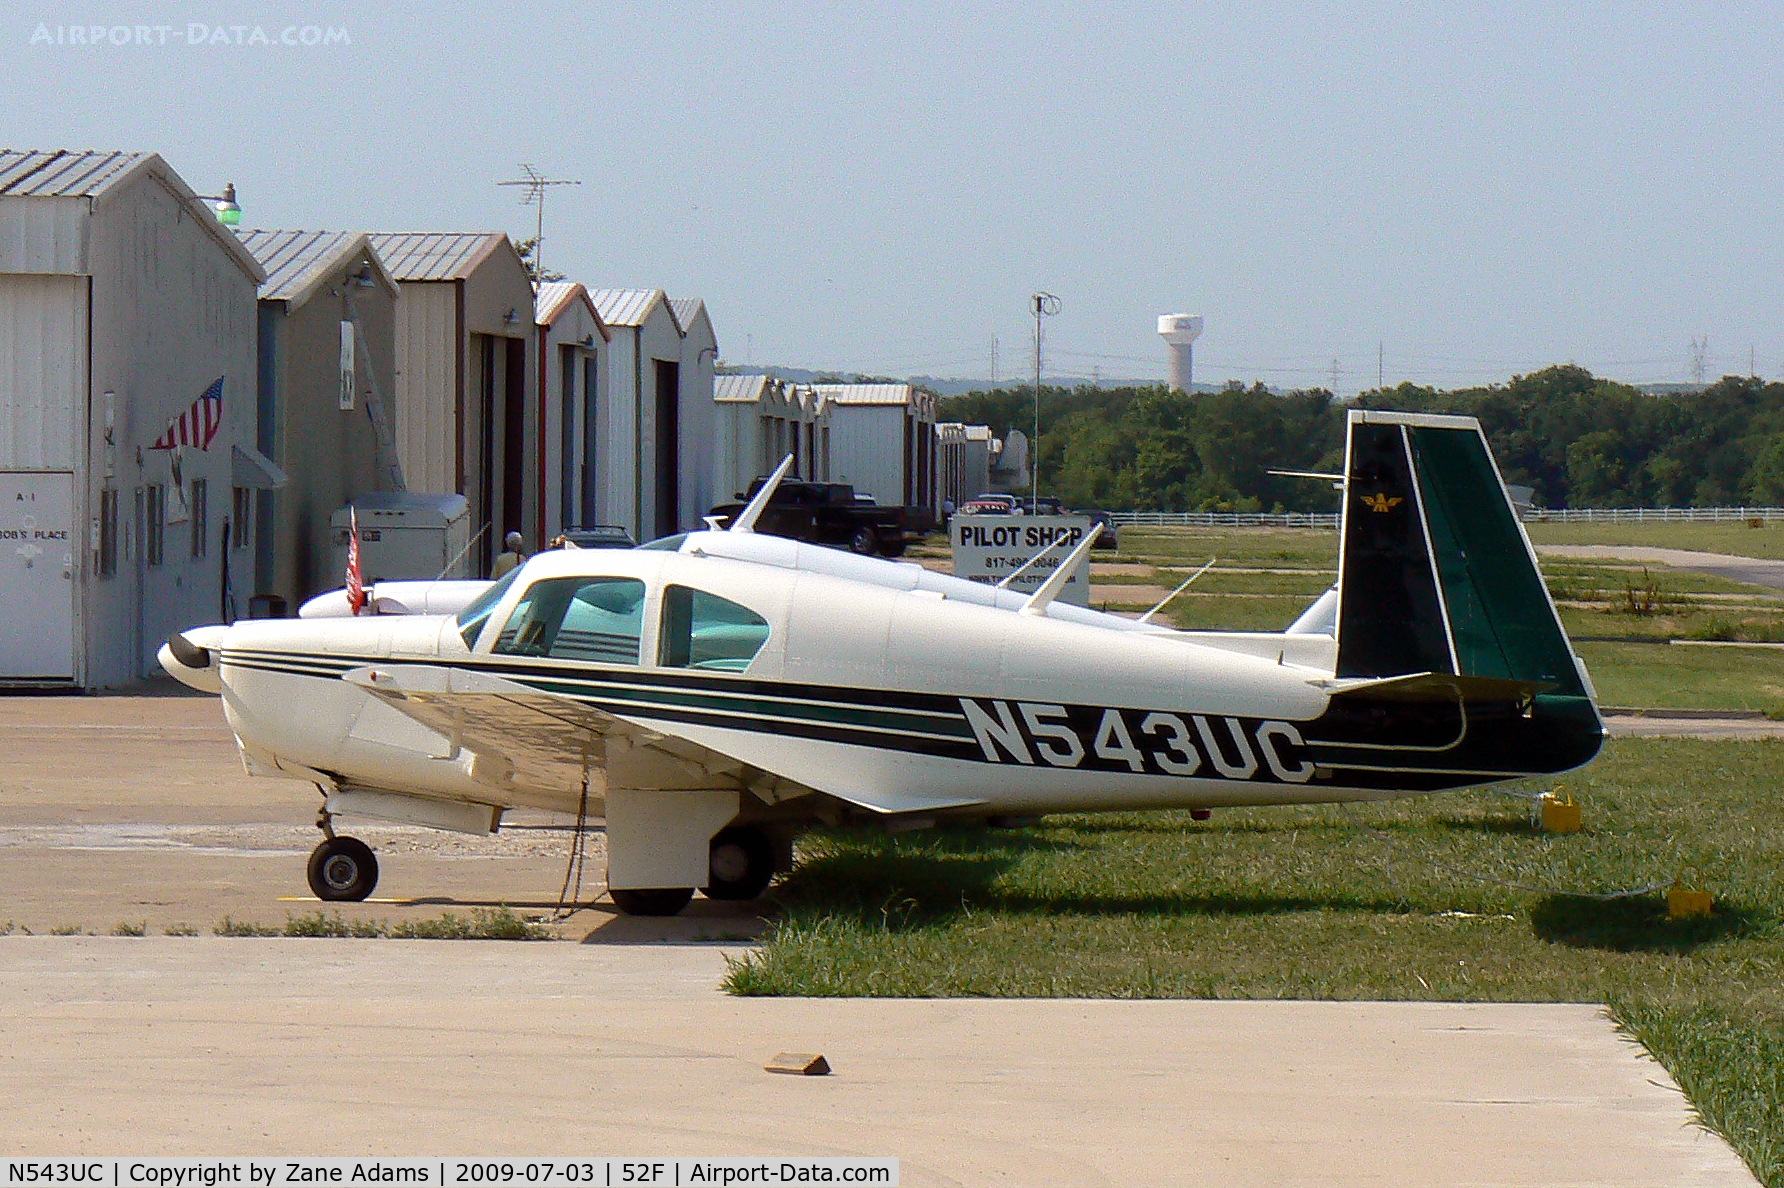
(712,694)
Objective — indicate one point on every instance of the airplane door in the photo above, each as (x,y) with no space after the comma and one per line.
(37,571)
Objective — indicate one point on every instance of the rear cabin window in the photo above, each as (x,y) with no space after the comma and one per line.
(702,630)
(594,620)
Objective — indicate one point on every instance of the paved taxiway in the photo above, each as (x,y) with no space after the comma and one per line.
(135,809)
(192,1046)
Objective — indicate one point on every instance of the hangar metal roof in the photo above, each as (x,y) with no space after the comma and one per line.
(554,297)
(298,262)
(867,393)
(64,174)
(436,256)
(738,389)
(630,307)
(686,309)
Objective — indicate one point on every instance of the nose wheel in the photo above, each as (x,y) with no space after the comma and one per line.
(343,870)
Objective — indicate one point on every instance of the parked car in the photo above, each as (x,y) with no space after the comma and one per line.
(599,536)
(1042,505)
(1106,535)
(832,514)
(990,505)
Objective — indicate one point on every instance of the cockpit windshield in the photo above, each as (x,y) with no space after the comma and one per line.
(472,618)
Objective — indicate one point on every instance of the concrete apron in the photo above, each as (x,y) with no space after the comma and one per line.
(211,1046)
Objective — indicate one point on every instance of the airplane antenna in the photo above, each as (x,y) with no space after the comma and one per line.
(1147,617)
(1042,598)
(746,519)
(459,556)
(1026,565)
(1337,480)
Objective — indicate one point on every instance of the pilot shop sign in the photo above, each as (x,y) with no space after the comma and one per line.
(990,548)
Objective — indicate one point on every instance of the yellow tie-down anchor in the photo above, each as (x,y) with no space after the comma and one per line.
(1557,813)
(1684,904)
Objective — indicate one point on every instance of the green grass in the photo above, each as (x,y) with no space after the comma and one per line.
(482,924)
(1735,539)
(1384,901)
(1659,676)
(1269,548)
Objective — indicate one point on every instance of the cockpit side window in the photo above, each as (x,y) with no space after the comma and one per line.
(597,620)
(701,630)
(472,618)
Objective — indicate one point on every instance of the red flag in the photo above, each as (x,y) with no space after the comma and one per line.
(356,598)
(198,425)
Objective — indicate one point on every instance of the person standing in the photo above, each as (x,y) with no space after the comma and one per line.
(510,557)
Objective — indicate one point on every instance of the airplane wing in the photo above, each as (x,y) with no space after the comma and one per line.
(521,734)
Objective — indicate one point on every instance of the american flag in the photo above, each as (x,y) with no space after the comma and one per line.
(355,579)
(198,425)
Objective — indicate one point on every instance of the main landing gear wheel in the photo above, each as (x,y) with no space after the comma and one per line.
(742,864)
(343,870)
(651,901)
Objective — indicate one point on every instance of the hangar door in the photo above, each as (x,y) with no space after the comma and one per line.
(37,565)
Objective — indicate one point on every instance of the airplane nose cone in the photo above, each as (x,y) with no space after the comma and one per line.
(191,664)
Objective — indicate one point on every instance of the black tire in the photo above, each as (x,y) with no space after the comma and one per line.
(865,541)
(651,901)
(343,870)
(892,548)
(742,864)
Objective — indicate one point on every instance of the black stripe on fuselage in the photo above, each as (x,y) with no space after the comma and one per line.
(1414,752)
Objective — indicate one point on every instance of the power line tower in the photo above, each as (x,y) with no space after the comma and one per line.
(1335,373)
(536,184)
(1699,348)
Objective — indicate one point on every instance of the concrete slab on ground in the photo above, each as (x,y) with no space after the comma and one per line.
(168,1046)
(1755,571)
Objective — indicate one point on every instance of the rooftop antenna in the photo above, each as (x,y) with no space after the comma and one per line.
(536,184)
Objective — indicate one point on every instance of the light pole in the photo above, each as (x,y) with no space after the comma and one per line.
(1045,304)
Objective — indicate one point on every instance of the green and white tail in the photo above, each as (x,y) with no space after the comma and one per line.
(1435,572)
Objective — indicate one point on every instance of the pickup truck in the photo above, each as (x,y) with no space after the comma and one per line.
(830,514)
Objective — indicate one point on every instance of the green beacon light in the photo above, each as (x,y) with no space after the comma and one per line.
(228,213)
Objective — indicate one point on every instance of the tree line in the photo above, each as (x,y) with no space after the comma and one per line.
(1576,439)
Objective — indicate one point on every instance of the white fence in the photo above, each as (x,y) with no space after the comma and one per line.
(1563,515)
(1658,515)
(1155,519)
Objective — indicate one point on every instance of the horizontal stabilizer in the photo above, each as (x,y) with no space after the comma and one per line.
(1436,686)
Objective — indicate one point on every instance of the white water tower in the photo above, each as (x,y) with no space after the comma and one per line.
(1180,332)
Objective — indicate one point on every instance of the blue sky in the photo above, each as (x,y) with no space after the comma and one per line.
(1481,190)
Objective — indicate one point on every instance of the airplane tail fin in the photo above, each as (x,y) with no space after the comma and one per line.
(1435,572)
